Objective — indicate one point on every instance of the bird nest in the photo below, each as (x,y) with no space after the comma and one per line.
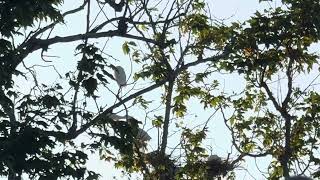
(156,159)
(162,164)
(218,167)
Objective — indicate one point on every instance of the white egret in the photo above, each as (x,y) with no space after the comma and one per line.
(117,117)
(142,135)
(120,76)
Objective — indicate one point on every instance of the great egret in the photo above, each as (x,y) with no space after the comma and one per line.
(117,117)
(142,135)
(120,76)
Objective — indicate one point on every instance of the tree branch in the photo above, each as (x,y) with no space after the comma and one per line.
(74,124)
(166,118)
(35,44)
(289,76)
(273,100)
(104,114)
(42,30)
(234,140)
(283,110)
(215,58)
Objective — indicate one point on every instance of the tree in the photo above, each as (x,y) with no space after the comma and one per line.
(40,129)
(275,115)
(49,129)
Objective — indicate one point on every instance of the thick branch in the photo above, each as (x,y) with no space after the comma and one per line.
(285,157)
(271,97)
(215,58)
(108,110)
(100,26)
(35,44)
(287,151)
(166,118)
(283,110)
(289,76)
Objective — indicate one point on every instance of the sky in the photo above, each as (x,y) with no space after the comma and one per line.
(218,138)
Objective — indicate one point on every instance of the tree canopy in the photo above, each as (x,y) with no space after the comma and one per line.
(54,116)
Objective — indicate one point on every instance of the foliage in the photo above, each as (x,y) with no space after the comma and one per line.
(275,42)
(49,130)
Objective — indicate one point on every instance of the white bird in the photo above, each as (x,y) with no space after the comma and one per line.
(143,135)
(120,76)
(117,117)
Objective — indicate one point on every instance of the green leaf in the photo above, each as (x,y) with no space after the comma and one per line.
(132,43)
(125,48)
